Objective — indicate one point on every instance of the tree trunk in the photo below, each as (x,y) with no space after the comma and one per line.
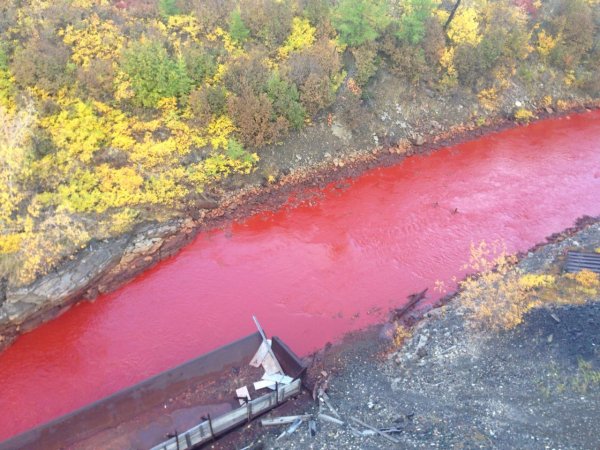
(452,13)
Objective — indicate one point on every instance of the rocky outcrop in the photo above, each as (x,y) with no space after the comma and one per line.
(101,267)
(26,307)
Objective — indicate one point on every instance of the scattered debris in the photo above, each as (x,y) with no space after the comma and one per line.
(330,419)
(283,420)
(262,384)
(379,432)
(243,395)
(413,299)
(325,399)
(293,427)
(277,378)
(269,362)
(273,378)
(312,428)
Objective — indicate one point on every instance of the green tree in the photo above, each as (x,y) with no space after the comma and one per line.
(168,8)
(286,100)
(200,63)
(414,19)
(237,28)
(3,57)
(153,74)
(360,21)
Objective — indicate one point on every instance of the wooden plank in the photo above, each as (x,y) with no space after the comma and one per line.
(201,432)
(283,420)
(381,433)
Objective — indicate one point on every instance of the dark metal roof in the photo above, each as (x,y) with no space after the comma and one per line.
(577,261)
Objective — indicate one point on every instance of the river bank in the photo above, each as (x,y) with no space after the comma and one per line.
(534,386)
(104,266)
(393,231)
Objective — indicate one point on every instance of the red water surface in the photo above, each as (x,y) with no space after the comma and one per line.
(314,272)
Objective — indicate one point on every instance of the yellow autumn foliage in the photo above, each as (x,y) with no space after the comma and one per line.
(219,130)
(97,39)
(183,28)
(464,28)
(496,297)
(302,36)
(488,98)
(499,294)
(545,43)
(45,244)
(524,115)
(15,134)
(76,130)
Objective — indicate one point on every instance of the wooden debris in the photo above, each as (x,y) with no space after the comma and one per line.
(266,342)
(261,353)
(381,433)
(312,428)
(321,385)
(243,395)
(262,384)
(413,299)
(330,419)
(277,378)
(283,420)
(325,398)
(293,427)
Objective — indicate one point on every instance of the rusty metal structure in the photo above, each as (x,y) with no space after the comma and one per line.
(130,404)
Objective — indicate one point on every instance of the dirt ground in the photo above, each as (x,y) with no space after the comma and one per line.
(536,386)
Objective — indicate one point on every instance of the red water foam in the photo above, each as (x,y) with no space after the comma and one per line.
(311,273)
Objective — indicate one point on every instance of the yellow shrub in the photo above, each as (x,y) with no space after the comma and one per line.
(121,222)
(547,101)
(219,130)
(588,283)
(545,44)
(184,27)
(464,28)
(76,130)
(166,188)
(44,247)
(530,281)
(302,36)
(447,61)
(7,90)
(105,187)
(10,243)
(523,115)
(569,77)
(488,98)
(497,298)
(401,334)
(99,39)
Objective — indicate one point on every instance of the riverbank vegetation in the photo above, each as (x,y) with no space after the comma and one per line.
(114,113)
(500,293)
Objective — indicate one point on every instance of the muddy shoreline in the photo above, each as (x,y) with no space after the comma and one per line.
(105,266)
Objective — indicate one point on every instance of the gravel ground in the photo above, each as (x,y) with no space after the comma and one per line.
(534,387)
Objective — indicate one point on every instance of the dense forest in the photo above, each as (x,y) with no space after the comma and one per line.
(114,113)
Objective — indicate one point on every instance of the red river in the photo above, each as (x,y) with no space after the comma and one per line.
(314,272)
